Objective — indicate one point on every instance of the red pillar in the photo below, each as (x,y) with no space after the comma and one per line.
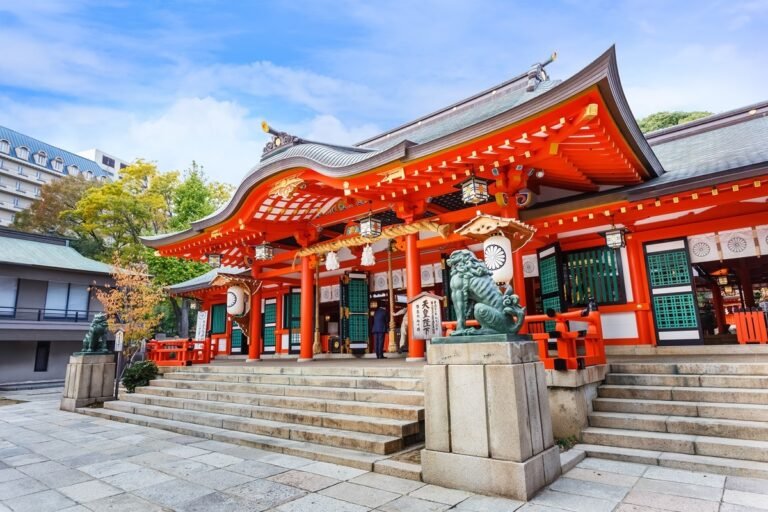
(307,296)
(413,288)
(719,308)
(518,279)
(640,292)
(255,341)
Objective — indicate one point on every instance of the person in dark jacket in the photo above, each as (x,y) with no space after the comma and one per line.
(379,329)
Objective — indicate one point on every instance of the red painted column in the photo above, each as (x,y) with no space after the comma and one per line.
(518,279)
(718,307)
(413,288)
(640,292)
(255,341)
(307,303)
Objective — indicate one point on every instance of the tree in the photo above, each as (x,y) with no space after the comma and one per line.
(132,303)
(196,198)
(660,120)
(52,214)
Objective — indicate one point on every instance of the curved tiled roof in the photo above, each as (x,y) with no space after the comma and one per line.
(17,139)
(491,110)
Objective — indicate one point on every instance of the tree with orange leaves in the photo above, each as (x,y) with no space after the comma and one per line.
(131,303)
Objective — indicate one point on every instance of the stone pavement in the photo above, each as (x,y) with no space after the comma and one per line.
(54,461)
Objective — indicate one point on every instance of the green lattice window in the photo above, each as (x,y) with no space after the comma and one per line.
(218,318)
(675,311)
(295,310)
(358,327)
(595,272)
(269,336)
(548,275)
(270,313)
(237,338)
(669,269)
(358,296)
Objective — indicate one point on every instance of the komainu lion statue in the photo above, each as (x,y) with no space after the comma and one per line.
(95,339)
(472,284)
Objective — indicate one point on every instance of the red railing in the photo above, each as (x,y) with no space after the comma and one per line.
(750,325)
(561,348)
(180,352)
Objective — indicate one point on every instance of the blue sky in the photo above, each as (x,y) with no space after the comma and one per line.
(174,81)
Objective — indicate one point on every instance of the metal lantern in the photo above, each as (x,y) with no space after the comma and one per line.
(474,190)
(614,238)
(264,251)
(722,280)
(214,260)
(370,227)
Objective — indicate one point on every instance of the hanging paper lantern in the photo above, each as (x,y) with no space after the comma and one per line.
(498,258)
(331,261)
(238,301)
(368,260)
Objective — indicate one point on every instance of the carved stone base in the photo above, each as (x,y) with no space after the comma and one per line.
(89,379)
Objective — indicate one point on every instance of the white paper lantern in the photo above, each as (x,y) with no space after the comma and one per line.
(238,301)
(498,258)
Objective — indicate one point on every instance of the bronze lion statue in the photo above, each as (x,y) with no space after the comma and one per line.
(473,291)
(95,341)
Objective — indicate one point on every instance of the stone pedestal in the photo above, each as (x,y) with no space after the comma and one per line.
(488,426)
(570,398)
(89,379)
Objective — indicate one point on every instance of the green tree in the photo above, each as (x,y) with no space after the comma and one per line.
(660,120)
(52,214)
(196,198)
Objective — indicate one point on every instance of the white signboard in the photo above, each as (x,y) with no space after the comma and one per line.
(427,316)
(202,323)
(119,341)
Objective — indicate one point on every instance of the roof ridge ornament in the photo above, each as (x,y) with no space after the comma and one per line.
(536,73)
(280,140)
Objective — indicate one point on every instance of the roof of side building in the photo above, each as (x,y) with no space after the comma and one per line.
(17,139)
(18,248)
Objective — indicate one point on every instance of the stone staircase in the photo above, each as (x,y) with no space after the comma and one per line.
(347,415)
(706,416)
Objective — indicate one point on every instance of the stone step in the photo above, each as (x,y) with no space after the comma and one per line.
(323,453)
(319,392)
(747,412)
(714,381)
(365,442)
(700,463)
(741,449)
(337,371)
(688,394)
(393,383)
(713,427)
(380,410)
(383,426)
(691,368)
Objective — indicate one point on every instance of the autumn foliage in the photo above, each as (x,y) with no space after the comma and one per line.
(131,303)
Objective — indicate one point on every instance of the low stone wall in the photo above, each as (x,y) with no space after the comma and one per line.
(570,398)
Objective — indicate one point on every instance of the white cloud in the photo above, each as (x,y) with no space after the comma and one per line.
(223,136)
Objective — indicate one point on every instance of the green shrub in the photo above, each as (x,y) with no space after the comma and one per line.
(139,374)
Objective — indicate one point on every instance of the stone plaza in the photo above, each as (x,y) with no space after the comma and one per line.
(51,460)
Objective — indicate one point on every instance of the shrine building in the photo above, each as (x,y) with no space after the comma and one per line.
(667,231)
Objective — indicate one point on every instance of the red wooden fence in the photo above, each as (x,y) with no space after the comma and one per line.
(750,325)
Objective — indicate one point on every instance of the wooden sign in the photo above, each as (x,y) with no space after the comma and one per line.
(426,313)
(202,323)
